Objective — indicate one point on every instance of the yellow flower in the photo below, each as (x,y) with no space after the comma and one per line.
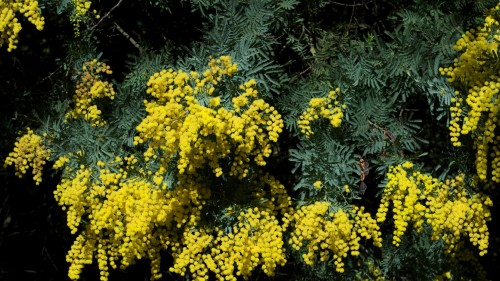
(178,126)
(60,162)
(10,25)
(322,107)
(89,88)
(446,206)
(29,151)
(317,184)
(215,102)
(480,100)
(331,236)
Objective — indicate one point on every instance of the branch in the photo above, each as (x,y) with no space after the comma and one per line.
(132,41)
(300,74)
(107,14)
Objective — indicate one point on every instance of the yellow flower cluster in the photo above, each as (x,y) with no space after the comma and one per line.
(256,240)
(322,107)
(192,254)
(60,162)
(477,68)
(81,7)
(29,151)
(123,211)
(178,125)
(89,88)
(404,193)
(123,218)
(331,234)
(79,14)
(9,23)
(70,193)
(480,42)
(317,184)
(446,206)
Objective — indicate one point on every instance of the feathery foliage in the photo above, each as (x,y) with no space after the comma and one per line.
(228,140)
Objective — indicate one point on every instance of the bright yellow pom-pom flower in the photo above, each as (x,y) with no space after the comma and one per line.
(10,25)
(328,108)
(476,69)
(29,151)
(446,206)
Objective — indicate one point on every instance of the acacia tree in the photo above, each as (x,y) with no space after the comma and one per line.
(227,140)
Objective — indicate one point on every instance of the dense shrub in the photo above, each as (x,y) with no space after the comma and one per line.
(228,140)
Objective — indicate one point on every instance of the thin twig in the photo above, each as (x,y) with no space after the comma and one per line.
(51,74)
(128,37)
(300,74)
(351,5)
(44,250)
(107,14)
(352,14)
